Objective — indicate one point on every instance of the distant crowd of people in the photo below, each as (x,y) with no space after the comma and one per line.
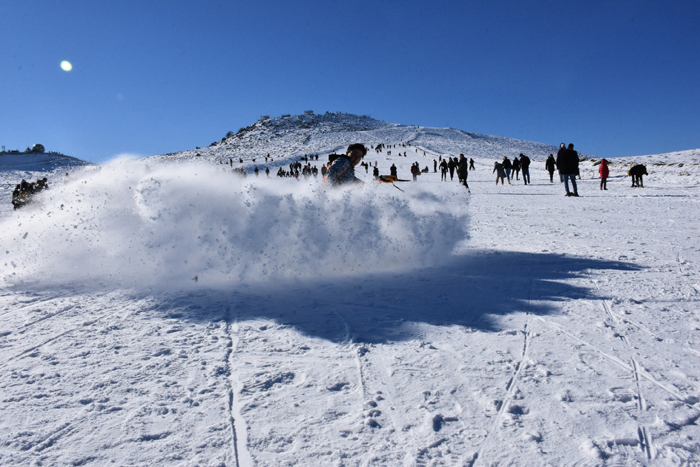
(340,168)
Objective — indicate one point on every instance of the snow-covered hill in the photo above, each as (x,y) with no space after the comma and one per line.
(177,314)
(290,137)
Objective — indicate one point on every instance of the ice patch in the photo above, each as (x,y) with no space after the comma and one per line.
(140,223)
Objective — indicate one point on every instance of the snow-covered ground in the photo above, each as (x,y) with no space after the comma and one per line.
(175,314)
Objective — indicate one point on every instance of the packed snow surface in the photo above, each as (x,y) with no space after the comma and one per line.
(168,312)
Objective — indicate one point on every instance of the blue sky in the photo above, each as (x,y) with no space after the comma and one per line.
(613,77)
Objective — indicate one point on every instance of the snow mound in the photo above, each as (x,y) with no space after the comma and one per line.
(140,223)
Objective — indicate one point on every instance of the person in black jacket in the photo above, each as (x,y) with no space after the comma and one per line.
(567,163)
(637,173)
(462,171)
(525,167)
(516,167)
(550,166)
(507,166)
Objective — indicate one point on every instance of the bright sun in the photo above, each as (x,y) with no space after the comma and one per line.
(66,65)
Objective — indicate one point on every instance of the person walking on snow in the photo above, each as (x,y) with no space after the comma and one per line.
(567,163)
(550,166)
(525,167)
(507,166)
(443,171)
(516,167)
(500,172)
(462,172)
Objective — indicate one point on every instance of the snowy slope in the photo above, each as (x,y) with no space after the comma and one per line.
(351,327)
(291,137)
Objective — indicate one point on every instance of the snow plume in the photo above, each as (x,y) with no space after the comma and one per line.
(140,223)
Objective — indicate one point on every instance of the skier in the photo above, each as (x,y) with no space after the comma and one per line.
(342,170)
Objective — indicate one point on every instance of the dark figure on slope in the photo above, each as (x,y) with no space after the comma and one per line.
(452,165)
(550,165)
(500,172)
(392,170)
(516,167)
(507,166)
(462,171)
(637,173)
(567,163)
(443,171)
(525,167)
(471,164)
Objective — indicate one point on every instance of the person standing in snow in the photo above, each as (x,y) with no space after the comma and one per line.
(567,163)
(507,166)
(451,165)
(462,172)
(525,167)
(393,171)
(604,171)
(434,166)
(342,170)
(471,164)
(415,171)
(443,171)
(550,166)
(500,172)
(516,167)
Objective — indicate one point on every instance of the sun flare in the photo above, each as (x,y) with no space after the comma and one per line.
(66,65)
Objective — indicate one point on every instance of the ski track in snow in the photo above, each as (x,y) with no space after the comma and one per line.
(562,332)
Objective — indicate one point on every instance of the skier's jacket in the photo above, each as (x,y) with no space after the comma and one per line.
(341,172)
(506,163)
(603,169)
(524,162)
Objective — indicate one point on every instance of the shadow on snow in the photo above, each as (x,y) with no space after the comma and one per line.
(473,290)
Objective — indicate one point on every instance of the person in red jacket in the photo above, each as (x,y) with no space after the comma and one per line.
(604,172)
